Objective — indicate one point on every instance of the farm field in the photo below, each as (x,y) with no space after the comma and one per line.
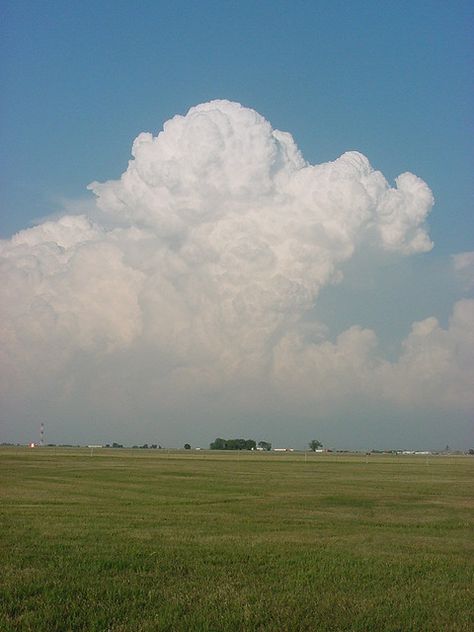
(145,540)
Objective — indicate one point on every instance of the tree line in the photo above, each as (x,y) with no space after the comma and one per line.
(250,444)
(239,444)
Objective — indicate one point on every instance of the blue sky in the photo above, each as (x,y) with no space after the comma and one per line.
(105,321)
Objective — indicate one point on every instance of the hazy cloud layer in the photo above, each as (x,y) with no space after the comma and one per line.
(201,275)
(464,268)
(435,366)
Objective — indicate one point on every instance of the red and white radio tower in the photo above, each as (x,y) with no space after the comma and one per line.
(42,435)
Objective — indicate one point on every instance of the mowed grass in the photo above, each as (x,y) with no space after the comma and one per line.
(148,540)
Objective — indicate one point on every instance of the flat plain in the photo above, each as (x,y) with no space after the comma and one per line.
(144,540)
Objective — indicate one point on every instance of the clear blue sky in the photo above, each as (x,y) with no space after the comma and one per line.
(390,79)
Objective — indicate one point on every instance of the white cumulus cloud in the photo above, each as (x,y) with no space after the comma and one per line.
(218,240)
(435,367)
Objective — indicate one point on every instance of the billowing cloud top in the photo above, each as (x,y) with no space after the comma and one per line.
(223,163)
(219,238)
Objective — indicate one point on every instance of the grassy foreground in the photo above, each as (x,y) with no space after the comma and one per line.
(141,540)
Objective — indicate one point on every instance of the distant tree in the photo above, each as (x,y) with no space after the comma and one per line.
(117,445)
(187,446)
(265,445)
(233,444)
(314,445)
(218,444)
(471,451)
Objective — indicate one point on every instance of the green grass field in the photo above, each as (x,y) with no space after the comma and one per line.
(149,540)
